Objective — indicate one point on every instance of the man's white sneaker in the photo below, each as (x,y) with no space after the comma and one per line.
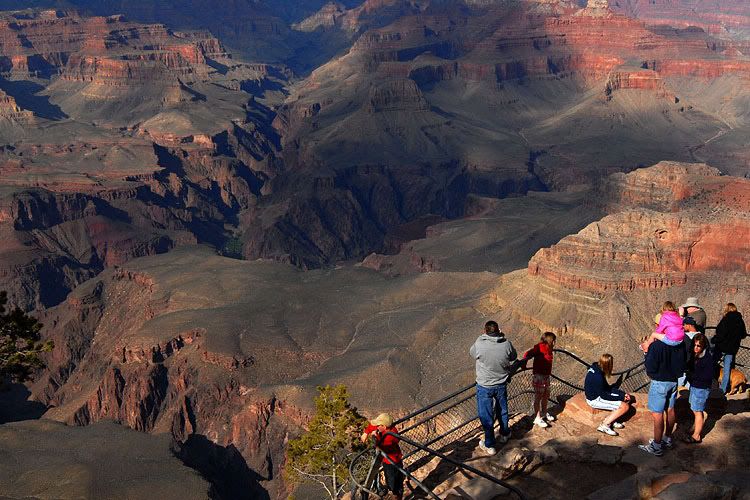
(618,425)
(539,422)
(487,449)
(549,418)
(606,430)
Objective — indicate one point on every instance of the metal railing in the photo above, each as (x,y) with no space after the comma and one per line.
(435,429)
(439,427)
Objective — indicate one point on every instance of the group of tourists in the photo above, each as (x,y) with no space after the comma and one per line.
(677,354)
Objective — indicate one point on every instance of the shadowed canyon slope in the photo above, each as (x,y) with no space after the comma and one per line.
(122,140)
(232,350)
(214,212)
(51,460)
(430,104)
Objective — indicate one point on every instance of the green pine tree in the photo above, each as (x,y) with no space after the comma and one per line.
(19,343)
(323,453)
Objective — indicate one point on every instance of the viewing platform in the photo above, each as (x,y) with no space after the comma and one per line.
(569,459)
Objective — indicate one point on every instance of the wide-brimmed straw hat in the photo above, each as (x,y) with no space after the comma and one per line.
(383,419)
(692,302)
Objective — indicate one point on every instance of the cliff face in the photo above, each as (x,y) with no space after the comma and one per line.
(67,217)
(178,385)
(719,17)
(228,354)
(690,227)
(10,111)
(48,42)
(123,140)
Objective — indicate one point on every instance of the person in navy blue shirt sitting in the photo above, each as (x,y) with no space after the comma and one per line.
(601,395)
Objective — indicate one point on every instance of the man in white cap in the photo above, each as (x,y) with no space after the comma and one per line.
(379,429)
(692,308)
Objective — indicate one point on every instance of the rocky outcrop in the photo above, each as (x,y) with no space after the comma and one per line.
(641,249)
(398,95)
(154,388)
(327,17)
(688,229)
(9,110)
(102,460)
(161,350)
(48,42)
(635,80)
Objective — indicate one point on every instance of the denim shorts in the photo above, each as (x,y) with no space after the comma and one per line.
(698,398)
(661,395)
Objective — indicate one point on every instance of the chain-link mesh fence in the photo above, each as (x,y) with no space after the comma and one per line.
(742,361)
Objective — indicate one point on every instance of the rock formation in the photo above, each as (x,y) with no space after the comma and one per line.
(459,139)
(48,459)
(690,227)
(634,67)
(126,154)
(724,17)
(231,355)
(10,111)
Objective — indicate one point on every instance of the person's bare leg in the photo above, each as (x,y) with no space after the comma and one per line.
(658,426)
(545,398)
(698,426)
(671,420)
(537,404)
(614,415)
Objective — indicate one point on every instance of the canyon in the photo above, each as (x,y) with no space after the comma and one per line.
(213,213)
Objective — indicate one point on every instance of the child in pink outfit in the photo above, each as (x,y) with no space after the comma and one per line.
(670,329)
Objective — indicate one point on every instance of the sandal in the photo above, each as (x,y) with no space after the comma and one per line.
(692,440)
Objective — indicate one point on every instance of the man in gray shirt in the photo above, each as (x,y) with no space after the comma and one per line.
(494,356)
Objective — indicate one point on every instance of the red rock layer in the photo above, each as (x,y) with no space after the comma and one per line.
(691,225)
(110,48)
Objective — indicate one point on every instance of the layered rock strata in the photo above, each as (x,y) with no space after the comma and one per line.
(689,227)
(228,354)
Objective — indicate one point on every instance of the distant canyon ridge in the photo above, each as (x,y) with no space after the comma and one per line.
(214,212)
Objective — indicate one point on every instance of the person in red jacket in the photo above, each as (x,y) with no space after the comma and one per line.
(388,444)
(542,355)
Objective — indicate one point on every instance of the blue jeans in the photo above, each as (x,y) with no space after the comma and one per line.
(487,397)
(728,365)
